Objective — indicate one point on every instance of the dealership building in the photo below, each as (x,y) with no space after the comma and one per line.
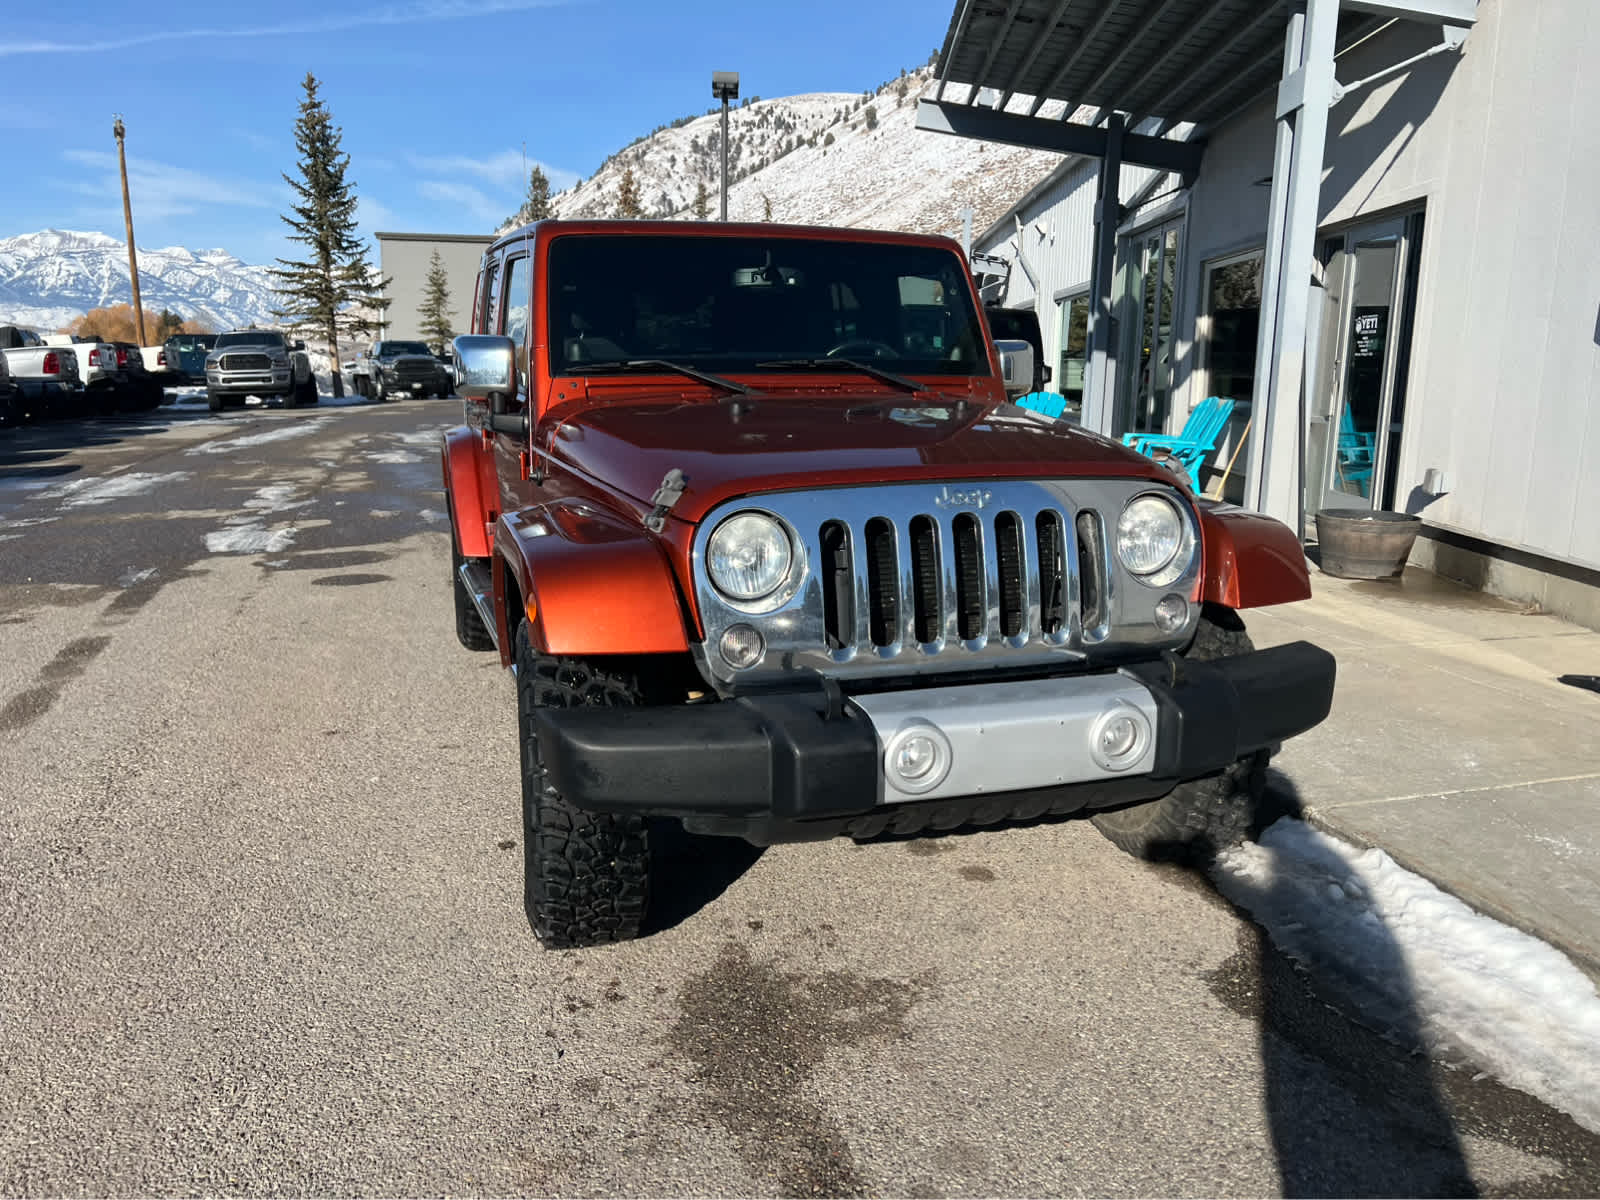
(403,260)
(1371,225)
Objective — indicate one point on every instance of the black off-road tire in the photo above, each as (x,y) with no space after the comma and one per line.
(380,393)
(1197,819)
(586,876)
(214,400)
(309,394)
(470,629)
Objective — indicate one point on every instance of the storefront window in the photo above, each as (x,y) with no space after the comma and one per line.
(1074,354)
(1233,318)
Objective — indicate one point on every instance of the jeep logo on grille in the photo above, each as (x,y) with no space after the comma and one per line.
(949,497)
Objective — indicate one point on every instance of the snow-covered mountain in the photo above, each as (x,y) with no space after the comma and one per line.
(52,277)
(828,158)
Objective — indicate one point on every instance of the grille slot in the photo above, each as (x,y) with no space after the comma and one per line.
(969,577)
(838,585)
(245,362)
(1052,573)
(883,588)
(926,617)
(1008,552)
(1093,602)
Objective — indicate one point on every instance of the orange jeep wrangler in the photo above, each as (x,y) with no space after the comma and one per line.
(748,513)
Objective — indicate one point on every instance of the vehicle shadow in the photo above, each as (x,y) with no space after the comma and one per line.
(1354,1101)
(689,871)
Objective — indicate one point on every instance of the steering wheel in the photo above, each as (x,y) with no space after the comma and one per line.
(873,349)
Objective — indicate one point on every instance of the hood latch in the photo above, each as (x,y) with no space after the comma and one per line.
(668,494)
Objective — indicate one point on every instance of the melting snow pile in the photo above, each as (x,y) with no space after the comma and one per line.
(1423,962)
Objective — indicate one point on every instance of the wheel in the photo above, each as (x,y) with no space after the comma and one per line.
(1196,819)
(291,398)
(470,629)
(873,349)
(308,391)
(586,876)
(379,392)
(213,400)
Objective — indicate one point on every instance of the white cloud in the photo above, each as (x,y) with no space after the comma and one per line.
(485,212)
(373,215)
(418,12)
(507,169)
(163,190)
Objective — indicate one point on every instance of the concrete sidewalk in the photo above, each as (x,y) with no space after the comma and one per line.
(1453,747)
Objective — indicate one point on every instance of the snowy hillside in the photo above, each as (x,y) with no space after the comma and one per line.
(828,158)
(52,277)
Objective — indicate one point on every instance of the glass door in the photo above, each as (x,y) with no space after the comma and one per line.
(1145,362)
(1354,412)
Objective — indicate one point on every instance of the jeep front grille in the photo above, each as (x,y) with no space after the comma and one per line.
(921,578)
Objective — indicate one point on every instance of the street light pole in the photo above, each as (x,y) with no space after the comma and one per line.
(725,87)
(117,131)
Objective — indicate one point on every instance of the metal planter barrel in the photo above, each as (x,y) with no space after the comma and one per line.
(1360,543)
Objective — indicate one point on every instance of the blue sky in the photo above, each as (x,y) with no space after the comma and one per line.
(436,99)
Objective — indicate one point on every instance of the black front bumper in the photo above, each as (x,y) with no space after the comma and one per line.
(799,766)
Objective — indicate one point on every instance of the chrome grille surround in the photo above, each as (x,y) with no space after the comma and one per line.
(245,362)
(796,630)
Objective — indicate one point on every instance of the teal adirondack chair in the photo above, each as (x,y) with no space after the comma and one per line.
(1354,451)
(1198,439)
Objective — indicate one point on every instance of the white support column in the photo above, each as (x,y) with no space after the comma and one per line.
(1304,97)
(1099,385)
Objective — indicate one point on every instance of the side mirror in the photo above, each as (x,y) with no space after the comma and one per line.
(299,345)
(1016,365)
(486,366)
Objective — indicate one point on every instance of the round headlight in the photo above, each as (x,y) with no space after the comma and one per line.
(748,556)
(1149,534)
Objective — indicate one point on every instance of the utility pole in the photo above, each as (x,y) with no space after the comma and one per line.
(725,87)
(127,216)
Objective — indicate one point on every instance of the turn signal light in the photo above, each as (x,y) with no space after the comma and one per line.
(52,364)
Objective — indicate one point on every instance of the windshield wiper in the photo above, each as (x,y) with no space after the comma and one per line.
(660,364)
(829,364)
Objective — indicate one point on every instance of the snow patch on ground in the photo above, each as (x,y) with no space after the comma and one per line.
(132,578)
(1418,959)
(81,493)
(421,437)
(391,457)
(278,433)
(275,497)
(249,539)
(428,514)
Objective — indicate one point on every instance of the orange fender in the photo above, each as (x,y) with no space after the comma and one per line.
(460,459)
(1251,560)
(591,582)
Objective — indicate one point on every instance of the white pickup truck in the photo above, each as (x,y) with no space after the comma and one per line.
(46,377)
(104,378)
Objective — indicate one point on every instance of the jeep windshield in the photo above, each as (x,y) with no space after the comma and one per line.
(770,304)
(250,338)
(393,349)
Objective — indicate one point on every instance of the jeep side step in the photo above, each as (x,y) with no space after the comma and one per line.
(477,578)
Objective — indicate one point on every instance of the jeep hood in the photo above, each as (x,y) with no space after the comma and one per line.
(748,445)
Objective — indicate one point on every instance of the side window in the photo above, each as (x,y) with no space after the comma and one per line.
(515,322)
(486,296)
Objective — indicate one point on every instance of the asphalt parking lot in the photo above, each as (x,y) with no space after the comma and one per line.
(261,925)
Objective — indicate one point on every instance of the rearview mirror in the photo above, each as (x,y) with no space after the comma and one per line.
(1016,366)
(485,366)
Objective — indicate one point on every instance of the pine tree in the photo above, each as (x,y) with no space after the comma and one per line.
(334,289)
(702,203)
(434,312)
(628,204)
(167,324)
(537,206)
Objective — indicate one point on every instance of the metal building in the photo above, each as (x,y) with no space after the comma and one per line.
(403,259)
(1384,245)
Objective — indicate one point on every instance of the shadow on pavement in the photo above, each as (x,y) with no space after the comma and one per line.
(1353,1110)
(689,872)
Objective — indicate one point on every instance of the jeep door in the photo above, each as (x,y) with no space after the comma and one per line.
(514,322)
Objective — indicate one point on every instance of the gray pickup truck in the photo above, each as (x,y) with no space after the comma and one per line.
(46,378)
(258,362)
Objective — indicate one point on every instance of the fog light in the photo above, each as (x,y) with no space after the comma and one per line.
(1172,613)
(917,759)
(1119,738)
(742,646)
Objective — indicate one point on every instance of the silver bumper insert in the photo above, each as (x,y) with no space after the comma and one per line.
(1005,737)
